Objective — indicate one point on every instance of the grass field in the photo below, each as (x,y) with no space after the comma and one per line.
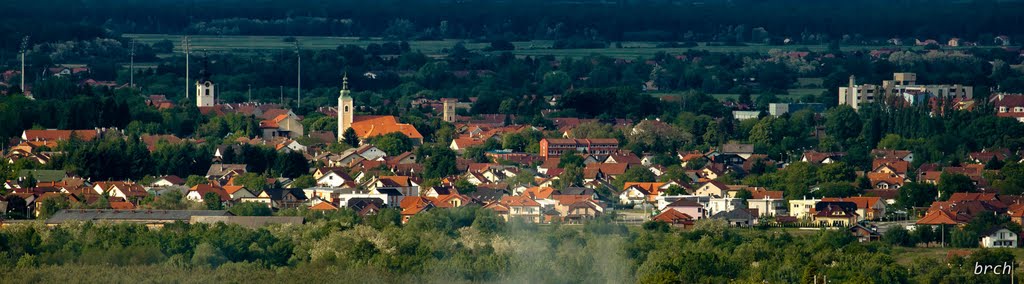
(435,47)
(906,256)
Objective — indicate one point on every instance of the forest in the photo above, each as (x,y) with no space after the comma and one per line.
(464,244)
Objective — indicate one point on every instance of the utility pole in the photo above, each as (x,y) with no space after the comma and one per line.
(185,44)
(282,95)
(298,88)
(250,93)
(24,49)
(131,66)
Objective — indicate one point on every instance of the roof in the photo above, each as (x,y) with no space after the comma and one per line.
(251,222)
(761,193)
(886,194)
(173,179)
(53,134)
(367,126)
(651,187)
(323,206)
(940,217)
(733,148)
(219,170)
(203,189)
(862,202)
(672,216)
(683,202)
(130,215)
(834,211)
(876,178)
(538,192)
(591,170)
(735,214)
(897,166)
(44,175)
(518,201)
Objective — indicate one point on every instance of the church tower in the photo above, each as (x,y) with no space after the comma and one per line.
(205,92)
(448,114)
(346,109)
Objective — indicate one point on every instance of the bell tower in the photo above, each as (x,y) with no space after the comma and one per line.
(346,109)
(448,114)
(206,93)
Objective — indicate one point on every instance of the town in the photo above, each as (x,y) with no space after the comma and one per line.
(725,155)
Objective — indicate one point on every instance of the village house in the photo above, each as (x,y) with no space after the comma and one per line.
(835,214)
(802,208)
(998,237)
(868,208)
(769,203)
(674,218)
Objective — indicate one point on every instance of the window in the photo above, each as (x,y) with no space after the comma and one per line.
(207,92)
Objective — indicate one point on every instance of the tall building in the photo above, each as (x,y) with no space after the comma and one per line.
(903,85)
(206,92)
(346,109)
(448,114)
(557,147)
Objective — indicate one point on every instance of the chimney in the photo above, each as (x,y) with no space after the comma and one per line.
(853,81)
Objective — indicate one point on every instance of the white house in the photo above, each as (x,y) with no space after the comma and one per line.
(724,204)
(334,179)
(999,238)
(633,195)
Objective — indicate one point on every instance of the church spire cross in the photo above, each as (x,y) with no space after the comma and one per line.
(344,81)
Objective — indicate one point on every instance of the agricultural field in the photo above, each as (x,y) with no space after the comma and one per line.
(214,43)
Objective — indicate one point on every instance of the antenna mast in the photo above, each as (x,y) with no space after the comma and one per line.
(185,43)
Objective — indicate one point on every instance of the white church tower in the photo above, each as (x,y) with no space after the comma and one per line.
(345,109)
(206,92)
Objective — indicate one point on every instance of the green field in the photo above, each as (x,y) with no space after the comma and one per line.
(436,47)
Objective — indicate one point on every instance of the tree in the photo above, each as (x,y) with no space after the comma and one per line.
(291,165)
(899,236)
(570,158)
(169,200)
(208,255)
(572,175)
(52,205)
(837,189)
(350,137)
(635,174)
(914,194)
(394,143)
(304,181)
(950,183)
(194,180)
(212,201)
(438,161)
(251,181)
(836,172)
(963,238)
(464,186)
(250,209)
(843,123)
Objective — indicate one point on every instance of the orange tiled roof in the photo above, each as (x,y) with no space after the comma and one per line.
(885,177)
(672,216)
(51,134)
(323,206)
(538,192)
(373,125)
(862,202)
(651,187)
(518,200)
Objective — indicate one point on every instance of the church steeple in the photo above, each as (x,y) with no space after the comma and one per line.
(346,108)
